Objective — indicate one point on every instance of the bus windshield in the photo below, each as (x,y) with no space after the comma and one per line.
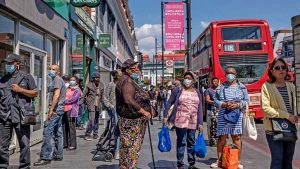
(249,68)
(241,33)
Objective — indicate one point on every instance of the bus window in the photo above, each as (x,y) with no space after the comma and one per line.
(241,33)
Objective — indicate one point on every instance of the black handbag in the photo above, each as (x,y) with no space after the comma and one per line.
(27,110)
(283,129)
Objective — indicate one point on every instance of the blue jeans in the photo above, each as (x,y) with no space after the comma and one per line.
(113,114)
(281,153)
(93,124)
(185,137)
(52,127)
(80,115)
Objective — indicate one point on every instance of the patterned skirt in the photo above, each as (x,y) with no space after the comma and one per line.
(225,127)
(132,133)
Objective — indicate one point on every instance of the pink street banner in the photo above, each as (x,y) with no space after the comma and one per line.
(174,25)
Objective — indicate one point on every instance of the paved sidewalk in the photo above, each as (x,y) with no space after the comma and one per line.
(81,158)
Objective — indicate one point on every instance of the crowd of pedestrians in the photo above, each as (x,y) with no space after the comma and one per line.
(179,105)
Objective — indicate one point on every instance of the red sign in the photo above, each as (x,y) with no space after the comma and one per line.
(169,63)
(174,25)
(279,52)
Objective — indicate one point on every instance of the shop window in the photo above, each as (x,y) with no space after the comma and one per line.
(76,54)
(31,37)
(52,57)
(6,39)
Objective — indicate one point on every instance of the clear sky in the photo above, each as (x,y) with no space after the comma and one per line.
(147,15)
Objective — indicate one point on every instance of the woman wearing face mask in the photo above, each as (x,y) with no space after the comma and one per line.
(186,117)
(134,110)
(71,113)
(231,96)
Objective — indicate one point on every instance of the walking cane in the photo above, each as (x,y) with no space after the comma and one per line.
(151,144)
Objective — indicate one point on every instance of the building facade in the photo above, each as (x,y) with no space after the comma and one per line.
(30,29)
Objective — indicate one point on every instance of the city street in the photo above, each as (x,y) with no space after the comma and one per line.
(255,154)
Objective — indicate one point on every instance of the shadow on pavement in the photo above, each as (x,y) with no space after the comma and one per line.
(206,161)
(163,164)
(112,166)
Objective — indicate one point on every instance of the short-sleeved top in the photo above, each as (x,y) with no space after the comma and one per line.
(8,102)
(186,115)
(211,94)
(284,94)
(58,83)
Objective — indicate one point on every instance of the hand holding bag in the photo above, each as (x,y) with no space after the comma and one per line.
(27,110)
(231,116)
(164,140)
(249,128)
(200,146)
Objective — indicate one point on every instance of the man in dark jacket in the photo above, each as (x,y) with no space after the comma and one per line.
(93,95)
(16,88)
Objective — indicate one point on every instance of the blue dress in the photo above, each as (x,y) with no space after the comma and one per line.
(236,92)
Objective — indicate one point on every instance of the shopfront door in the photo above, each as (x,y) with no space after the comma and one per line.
(35,63)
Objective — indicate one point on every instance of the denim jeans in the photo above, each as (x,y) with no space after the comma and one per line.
(93,124)
(23,136)
(113,114)
(281,153)
(185,137)
(52,127)
(80,115)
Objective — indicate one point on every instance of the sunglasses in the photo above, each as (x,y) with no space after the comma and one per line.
(282,67)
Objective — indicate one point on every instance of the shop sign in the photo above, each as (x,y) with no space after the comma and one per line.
(179,72)
(104,40)
(106,62)
(79,41)
(88,3)
(85,21)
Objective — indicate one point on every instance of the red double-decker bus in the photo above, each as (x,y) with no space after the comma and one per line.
(243,44)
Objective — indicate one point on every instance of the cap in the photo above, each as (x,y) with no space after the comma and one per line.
(128,63)
(190,73)
(96,75)
(12,58)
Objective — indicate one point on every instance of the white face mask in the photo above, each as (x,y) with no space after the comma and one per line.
(187,82)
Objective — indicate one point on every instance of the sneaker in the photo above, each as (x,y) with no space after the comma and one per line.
(240,166)
(95,136)
(117,156)
(88,138)
(215,164)
(42,162)
(57,158)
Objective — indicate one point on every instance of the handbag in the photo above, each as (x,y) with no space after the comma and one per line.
(230,157)
(283,129)
(164,140)
(231,116)
(200,146)
(249,128)
(27,110)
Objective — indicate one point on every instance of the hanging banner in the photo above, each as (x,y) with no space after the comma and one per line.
(174,25)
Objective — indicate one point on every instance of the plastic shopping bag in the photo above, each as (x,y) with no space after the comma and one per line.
(200,146)
(249,128)
(230,157)
(164,140)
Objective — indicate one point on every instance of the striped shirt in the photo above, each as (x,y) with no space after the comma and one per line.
(284,93)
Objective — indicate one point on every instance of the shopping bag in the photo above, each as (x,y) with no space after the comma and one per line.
(249,128)
(164,140)
(200,146)
(230,157)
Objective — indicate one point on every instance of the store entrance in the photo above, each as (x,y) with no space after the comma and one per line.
(34,61)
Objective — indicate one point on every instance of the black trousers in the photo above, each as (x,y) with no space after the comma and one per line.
(69,130)
(23,136)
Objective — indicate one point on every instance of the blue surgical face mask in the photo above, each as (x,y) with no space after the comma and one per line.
(135,75)
(52,73)
(230,77)
(72,83)
(10,68)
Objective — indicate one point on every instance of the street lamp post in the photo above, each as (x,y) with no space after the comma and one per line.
(162,43)
(156,61)
(188,22)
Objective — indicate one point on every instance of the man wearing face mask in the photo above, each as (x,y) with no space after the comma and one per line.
(13,84)
(53,124)
(93,95)
(187,117)
(231,97)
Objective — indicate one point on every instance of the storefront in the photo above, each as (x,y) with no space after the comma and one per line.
(31,34)
(81,60)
